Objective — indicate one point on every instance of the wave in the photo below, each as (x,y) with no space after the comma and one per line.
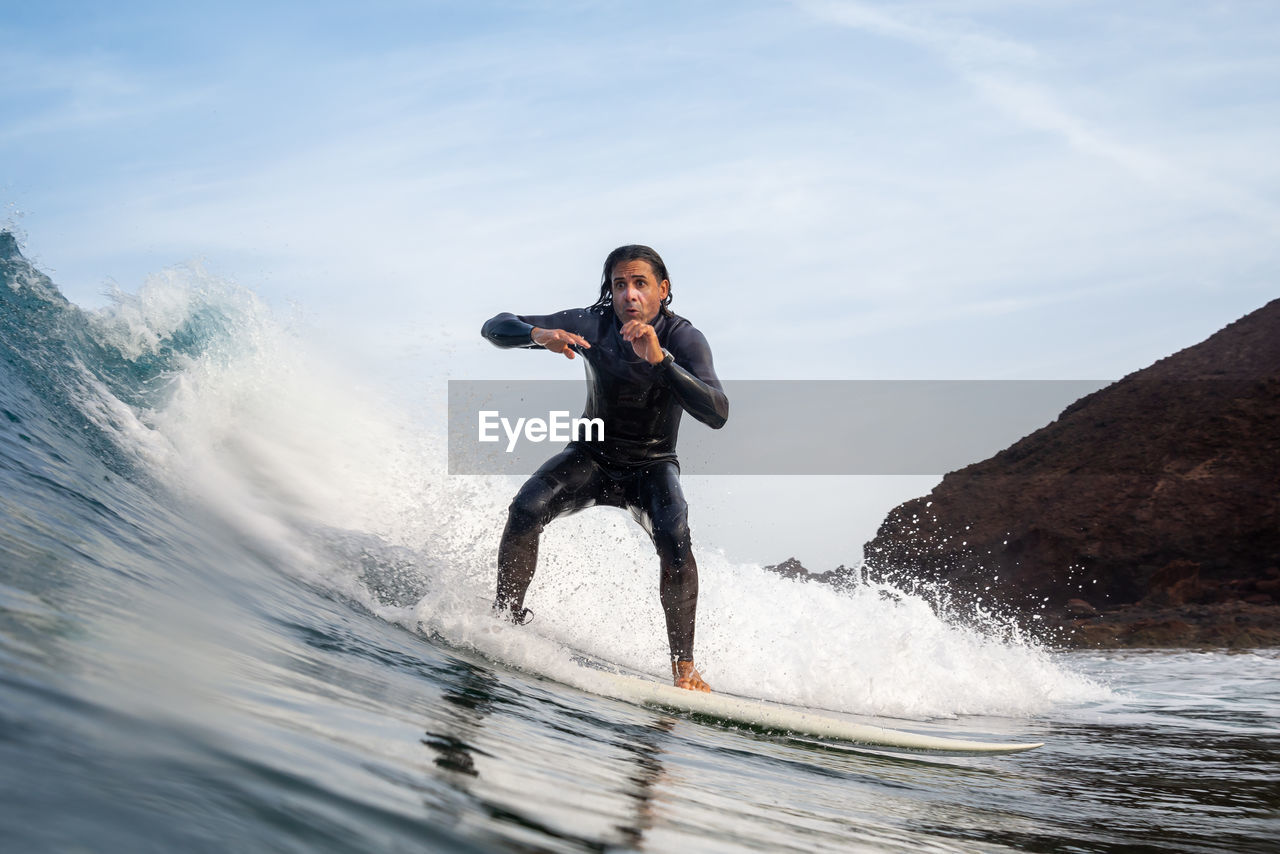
(191,394)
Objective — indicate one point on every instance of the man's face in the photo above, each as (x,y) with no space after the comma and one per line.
(637,293)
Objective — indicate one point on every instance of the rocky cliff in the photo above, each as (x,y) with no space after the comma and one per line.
(1147,514)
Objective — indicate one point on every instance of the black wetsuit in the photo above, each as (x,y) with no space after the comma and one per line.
(635,466)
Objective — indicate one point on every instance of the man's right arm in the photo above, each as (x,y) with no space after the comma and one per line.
(559,332)
(506,330)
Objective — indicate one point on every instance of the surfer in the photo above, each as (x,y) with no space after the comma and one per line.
(645,366)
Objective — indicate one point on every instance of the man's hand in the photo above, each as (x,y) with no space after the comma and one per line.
(558,340)
(687,676)
(643,340)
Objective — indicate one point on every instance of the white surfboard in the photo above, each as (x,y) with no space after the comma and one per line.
(774,716)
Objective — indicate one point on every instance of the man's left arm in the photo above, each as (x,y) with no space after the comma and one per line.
(691,376)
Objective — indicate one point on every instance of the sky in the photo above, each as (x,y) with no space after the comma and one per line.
(974,189)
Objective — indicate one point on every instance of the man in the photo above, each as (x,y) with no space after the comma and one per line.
(645,366)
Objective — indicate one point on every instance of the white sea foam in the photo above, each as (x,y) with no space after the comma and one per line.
(285,447)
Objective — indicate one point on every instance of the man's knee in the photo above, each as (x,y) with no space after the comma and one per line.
(528,511)
(671,534)
(678,579)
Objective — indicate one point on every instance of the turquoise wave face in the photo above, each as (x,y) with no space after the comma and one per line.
(82,509)
(89,381)
(49,364)
(58,346)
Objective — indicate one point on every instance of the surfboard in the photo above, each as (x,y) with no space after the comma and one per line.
(761,714)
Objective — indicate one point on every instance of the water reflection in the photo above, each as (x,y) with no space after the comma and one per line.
(517,785)
(471,699)
(645,750)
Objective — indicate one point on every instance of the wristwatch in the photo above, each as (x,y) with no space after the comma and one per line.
(667,359)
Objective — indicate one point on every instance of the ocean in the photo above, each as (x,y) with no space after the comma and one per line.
(243,608)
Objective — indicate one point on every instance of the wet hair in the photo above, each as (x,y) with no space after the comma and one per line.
(632,252)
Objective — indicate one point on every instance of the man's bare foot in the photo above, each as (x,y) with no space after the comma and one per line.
(688,677)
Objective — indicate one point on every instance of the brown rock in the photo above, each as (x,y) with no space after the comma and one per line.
(1158,633)
(1176,584)
(791,568)
(1159,489)
(1096,635)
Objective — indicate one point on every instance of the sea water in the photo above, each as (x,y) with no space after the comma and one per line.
(243,608)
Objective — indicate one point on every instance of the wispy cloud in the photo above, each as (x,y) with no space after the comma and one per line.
(1003,72)
(959,41)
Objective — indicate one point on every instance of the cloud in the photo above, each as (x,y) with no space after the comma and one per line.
(1001,71)
(959,41)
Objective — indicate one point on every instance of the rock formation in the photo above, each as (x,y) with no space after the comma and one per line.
(1147,514)
(841,576)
